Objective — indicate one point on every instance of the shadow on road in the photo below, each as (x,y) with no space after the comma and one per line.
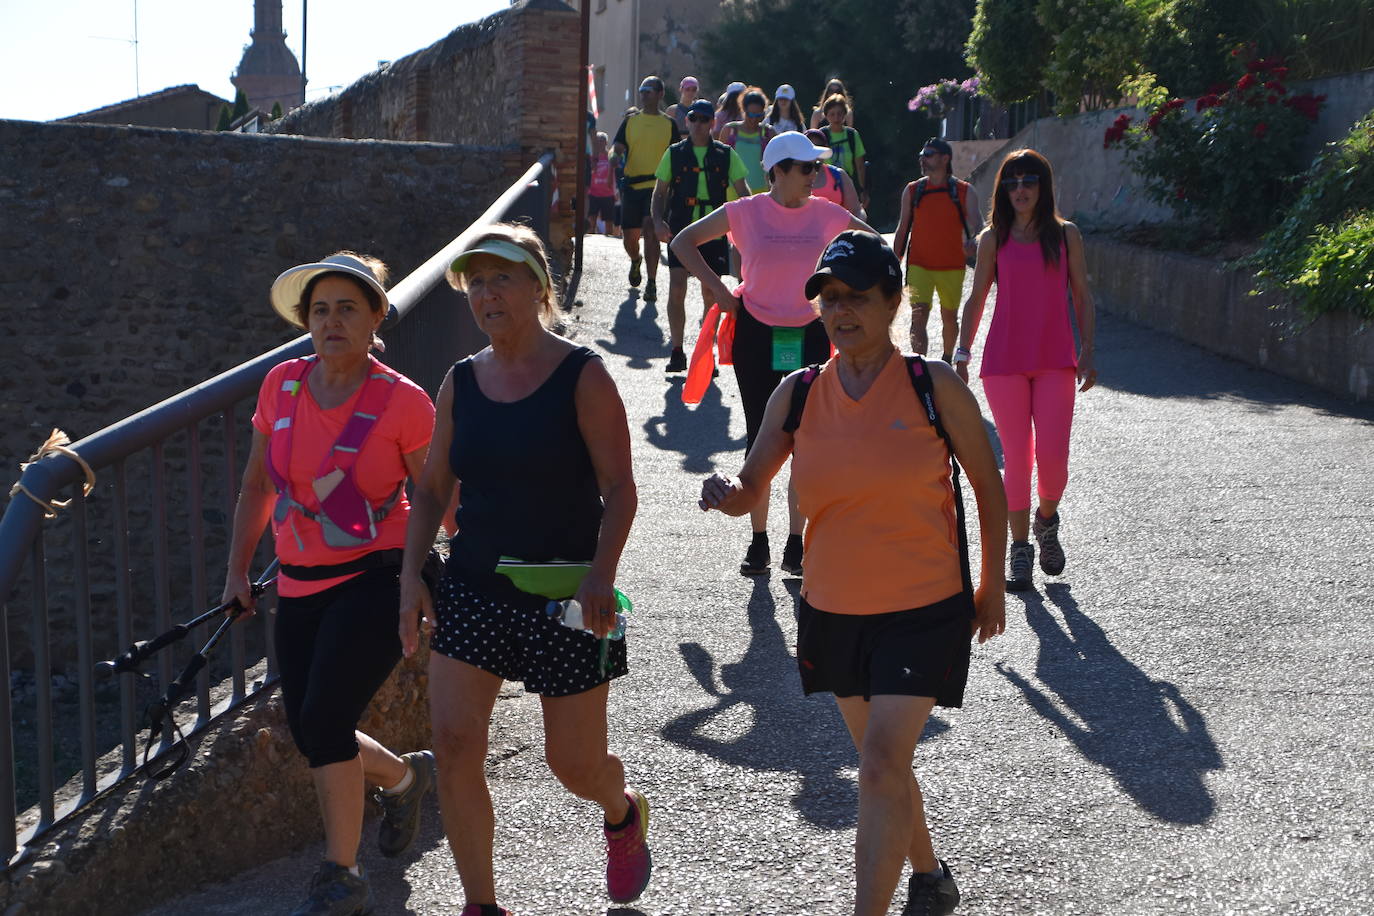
(786,732)
(636,333)
(1154,742)
(697,432)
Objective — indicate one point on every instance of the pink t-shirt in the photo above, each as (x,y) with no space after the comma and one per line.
(778,248)
(405,425)
(1030,325)
(603,178)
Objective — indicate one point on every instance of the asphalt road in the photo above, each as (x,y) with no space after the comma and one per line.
(1179,724)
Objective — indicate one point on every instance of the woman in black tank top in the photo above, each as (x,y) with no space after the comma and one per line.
(533,432)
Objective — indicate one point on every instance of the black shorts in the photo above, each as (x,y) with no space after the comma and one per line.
(754,372)
(517,641)
(922,652)
(716,253)
(634,206)
(603,207)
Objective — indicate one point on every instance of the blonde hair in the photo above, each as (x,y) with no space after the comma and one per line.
(529,240)
(379,271)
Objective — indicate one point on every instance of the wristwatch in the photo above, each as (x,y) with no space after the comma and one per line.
(962,355)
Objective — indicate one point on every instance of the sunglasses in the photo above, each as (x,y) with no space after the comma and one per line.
(697,118)
(930,153)
(753,114)
(1021,181)
(649,89)
(806,168)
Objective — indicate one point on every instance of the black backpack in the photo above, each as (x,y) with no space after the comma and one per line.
(925,394)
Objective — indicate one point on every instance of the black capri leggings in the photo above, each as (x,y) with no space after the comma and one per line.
(754,372)
(335,649)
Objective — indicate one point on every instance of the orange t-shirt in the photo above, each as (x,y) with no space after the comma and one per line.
(873,480)
(405,425)
(937,237)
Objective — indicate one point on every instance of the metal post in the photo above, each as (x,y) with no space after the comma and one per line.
(196,532)
(85,663)
(231,492)
(8,841)
(124,614)
(42,678)
(580,204)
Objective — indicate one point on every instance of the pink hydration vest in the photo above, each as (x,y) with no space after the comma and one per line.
(345,516)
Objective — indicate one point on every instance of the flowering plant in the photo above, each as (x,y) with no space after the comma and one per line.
(1228,160)
(935,100)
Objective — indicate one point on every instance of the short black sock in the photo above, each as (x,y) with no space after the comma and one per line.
(629,819)
(794,540)
(948,357)
(490,909)
(760,537)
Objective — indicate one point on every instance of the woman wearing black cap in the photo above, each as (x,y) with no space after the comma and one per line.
(888,605)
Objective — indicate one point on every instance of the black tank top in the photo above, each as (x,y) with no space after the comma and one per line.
(528,486)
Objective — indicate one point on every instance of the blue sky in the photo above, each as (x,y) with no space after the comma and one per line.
(62,57)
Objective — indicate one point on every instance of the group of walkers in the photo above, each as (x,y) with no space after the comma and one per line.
(526,461)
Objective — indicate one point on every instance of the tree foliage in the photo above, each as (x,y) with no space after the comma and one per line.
(1008,47)
(225,118)
(240,105)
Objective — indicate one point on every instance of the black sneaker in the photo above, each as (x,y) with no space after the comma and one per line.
(635,275)
(792,556)
(401,813)
(1046,533)
(1022,559)
(336,891)
(650,291)
(928,895)
(677,362)
(756,558)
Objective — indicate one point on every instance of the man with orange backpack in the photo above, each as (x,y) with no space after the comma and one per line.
(940,220)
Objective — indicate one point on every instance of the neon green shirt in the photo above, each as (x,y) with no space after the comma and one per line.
(738,170)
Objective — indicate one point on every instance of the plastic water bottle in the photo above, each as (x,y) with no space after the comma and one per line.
(569,613)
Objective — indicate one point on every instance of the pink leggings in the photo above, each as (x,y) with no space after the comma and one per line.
(1043,400)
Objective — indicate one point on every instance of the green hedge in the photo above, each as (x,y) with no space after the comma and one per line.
(1322,253)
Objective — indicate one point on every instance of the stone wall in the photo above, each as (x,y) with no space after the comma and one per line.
(1203,303)
(135,262)
(509,81)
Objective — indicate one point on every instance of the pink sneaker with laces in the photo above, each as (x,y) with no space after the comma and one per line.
(628,862)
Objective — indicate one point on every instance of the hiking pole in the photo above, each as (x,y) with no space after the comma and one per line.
(130,659)
(159,712)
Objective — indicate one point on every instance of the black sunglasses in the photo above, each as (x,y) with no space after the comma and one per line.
(694,118)
(1024,181)
(806,168)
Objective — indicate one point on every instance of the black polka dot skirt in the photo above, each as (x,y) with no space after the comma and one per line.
(520,642)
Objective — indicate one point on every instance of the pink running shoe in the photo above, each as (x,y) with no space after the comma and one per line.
(628,862)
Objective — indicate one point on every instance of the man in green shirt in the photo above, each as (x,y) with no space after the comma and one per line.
(695,176)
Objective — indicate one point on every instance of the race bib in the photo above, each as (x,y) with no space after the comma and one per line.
(787,348)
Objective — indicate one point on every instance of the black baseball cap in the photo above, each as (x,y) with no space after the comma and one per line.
(940,146)
(702,107)
(857,258)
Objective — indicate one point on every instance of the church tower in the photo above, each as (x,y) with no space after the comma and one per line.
(269,72)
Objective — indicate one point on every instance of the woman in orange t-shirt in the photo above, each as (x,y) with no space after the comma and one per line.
(888,609)
(335,436)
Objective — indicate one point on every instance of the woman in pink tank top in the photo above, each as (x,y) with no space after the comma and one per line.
(1030,366)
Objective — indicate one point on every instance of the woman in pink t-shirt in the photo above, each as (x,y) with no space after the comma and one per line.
(780,236)
(335,436)
(1030,366)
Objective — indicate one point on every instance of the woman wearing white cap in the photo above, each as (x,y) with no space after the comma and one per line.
(779,235)
(728,107)
(335,435)
(783,114)
(534,429)
(686,94)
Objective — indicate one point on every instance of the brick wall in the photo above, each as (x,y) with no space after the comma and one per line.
(509,81)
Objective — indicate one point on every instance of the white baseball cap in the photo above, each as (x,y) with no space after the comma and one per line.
(792,145)
(736,86)
(785,91)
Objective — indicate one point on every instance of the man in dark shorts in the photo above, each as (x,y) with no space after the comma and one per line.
(639,143)
(694,177)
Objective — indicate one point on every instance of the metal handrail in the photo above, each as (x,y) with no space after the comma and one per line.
(21,526)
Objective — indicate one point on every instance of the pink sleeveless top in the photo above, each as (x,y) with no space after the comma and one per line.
(833,188)
(1030,326)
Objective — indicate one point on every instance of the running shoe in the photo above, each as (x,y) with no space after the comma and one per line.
(635,275)
(1047,536)
(650,291)
(792,556)
(1022,559)
(628,862)
(336,891)
(756,558)
(401,813)
(677,362)
(928,895)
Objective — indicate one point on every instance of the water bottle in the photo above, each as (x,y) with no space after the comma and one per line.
(569,613)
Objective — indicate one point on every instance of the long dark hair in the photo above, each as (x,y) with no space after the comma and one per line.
(1048,224)
(734,111)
